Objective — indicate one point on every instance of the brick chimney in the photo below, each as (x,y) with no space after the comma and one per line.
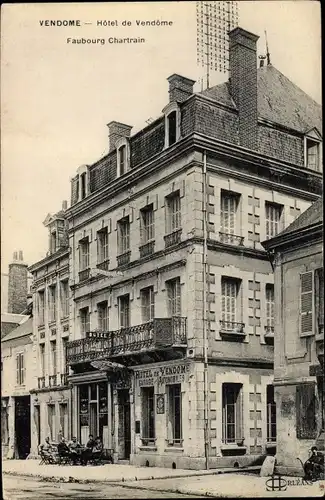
(17,285)
(243,83)
(116,131)
(180,88)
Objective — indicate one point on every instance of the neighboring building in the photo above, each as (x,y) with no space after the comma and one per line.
(17,365)
(172,294)
(10,321)
(297,256)
(50,395)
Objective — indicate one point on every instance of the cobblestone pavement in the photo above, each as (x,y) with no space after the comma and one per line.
(28,488)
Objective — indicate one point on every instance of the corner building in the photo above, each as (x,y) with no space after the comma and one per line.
(172,297)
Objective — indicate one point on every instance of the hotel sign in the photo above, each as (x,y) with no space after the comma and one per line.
(170,374)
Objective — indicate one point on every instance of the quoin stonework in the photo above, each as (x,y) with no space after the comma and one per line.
(154,318)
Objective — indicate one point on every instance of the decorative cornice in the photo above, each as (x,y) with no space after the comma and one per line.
(243,362)
(62,252)
(308,235)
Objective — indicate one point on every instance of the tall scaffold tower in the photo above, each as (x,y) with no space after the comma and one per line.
(214,20)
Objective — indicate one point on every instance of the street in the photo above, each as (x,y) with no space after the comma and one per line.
(28,488)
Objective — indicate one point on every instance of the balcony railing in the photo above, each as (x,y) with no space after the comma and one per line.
(269,330)
(53,382)
(124,258)
(147,249)
(41,382)
(84,275)
(64,378)
(232,327)
(173,238)
(231,239)
(156,334)
(104,265)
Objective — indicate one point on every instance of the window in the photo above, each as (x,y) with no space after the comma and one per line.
(319,299)
(307,303)
(84,321)
(42,359)
(53,356)
(102,311)
(52,303)
(102,245)
(312,153)
(273,216)
(122,159)
(228,212)
(270,414)
(147,304)
(20,367)
(230,304)
(232,413)
(51,421)
(173,214)
(306,424)
(83,185)
(147,226)
(124,311)
(172,127)
(269,293)
(175,432)
(174,297)
(123,235)
(93,412)
(84,254)
(64,299)
(65,366)
(148,415)
(41,307)
(53,241)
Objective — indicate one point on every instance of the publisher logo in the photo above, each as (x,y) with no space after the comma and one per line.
(276,483)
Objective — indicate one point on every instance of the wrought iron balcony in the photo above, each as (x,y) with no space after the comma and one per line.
(104,265)
(232,328)
(124,258)
(64,378)
(53,382)
(84,275)
(41,382)
(173,238)
(147,249)
(231,239)
(158,334)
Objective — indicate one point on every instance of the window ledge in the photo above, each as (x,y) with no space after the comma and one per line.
(270,444)
(174,448)
(232,446)
(148,448)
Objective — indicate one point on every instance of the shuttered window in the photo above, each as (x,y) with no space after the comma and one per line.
(232,413)
(306,303)
(83,254)
(273,213)
(173,213)
(228,209)
(174,297)
(20,366)
(306,425)
(147,304)
(269,293)
(229,293)
(123,235)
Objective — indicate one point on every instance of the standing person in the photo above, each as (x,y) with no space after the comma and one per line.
(87,453)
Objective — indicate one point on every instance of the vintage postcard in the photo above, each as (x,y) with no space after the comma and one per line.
(162,313)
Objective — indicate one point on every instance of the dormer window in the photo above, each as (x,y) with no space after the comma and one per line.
(83,190)
(313,150)
(82,183)
(123,156)
(172,124)
(53,242)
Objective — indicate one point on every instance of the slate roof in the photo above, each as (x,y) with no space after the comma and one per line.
(13,318)
(278,100)
(25,328)
(312,215)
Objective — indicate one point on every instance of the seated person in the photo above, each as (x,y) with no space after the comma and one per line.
(63,449)
(98,448)
(47,448)
(74,446)
(86,454)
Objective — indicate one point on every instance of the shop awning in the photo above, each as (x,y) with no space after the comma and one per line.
(105,365)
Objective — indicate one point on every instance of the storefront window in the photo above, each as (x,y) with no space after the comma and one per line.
(175,433)
(94,412)
(148,415)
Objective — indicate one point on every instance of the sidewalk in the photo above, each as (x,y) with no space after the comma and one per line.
(102,473)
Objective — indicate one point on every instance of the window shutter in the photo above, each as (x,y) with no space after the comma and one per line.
(306,303)
(22,368)
(306,411)
(17,368)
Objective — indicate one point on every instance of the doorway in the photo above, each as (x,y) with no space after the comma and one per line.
(124,431)
(22,426)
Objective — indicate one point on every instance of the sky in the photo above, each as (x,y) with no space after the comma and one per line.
(57,97)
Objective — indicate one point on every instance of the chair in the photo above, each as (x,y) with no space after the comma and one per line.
(46,457)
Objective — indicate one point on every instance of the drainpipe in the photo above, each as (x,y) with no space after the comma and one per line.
(205,332)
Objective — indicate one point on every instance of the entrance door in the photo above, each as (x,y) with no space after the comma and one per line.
(125,423)
(22,425)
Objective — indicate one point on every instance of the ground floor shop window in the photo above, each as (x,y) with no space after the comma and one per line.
(175,432)
(51,422)
(64,422)
(270,415)
(232,413)
(93,412)
(148,415)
